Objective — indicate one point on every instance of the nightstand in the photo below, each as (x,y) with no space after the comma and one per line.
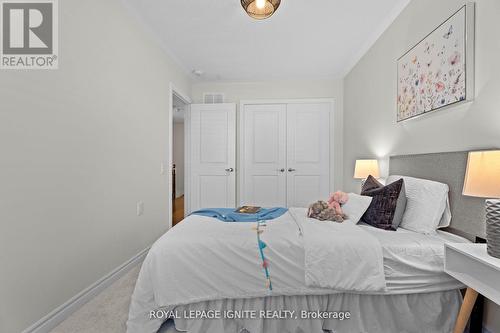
(471,265)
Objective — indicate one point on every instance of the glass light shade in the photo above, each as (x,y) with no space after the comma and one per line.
(365,168)
(260,12)
(482,178)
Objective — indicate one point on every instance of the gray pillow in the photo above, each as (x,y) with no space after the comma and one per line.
(400,207)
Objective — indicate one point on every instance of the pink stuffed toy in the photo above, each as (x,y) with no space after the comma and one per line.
(336,200)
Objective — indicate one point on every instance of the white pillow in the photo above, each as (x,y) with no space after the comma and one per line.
(427,206)
(446,218)
(356,206)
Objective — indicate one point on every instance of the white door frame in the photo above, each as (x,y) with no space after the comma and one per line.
(173,90)
(241,135)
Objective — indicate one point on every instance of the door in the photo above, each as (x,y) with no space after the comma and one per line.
(212,156)
(264,149)
(308,153)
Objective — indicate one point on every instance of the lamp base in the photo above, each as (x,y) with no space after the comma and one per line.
(493,227)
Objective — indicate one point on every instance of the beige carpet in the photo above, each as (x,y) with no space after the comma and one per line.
(106,313)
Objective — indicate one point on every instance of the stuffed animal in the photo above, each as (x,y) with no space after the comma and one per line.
(320,210)
(336,200)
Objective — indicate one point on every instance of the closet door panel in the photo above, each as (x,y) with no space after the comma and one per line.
(305,190)
(308,153)
(264,155)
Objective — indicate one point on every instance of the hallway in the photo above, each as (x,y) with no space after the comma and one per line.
(177,210)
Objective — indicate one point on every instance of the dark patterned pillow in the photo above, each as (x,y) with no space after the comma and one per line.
(382,209)
(372,183)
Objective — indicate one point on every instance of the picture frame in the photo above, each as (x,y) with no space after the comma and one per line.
(438,72)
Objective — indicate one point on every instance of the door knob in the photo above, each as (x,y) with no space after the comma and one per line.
(229,169)
(291,170)
(282,170)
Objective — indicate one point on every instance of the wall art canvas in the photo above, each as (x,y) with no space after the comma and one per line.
(435,73)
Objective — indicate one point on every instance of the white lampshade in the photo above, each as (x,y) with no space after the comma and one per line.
(482,178)
(365,168)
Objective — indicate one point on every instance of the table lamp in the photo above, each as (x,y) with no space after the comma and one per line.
(482,179)
(365,168)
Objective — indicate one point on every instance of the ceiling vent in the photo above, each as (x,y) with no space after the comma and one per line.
(213,98)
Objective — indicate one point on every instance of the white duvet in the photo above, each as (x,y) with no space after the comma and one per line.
(205,259)
(340,256)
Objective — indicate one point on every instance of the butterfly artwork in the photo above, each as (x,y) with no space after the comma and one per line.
(432,74)
(449,32)
(428,48)
(454,58)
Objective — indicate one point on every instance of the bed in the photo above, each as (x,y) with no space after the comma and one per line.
(207,276)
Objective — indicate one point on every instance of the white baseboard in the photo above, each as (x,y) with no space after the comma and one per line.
(54,318)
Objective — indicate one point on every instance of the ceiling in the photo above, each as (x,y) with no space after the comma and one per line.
(304,38)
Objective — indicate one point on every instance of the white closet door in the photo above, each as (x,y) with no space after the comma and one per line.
(264,155)
(308,153)
(213,156)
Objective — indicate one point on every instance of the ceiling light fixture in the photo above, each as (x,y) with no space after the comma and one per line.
(260,9)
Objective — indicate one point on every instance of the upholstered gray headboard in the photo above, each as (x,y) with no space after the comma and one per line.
(449,168)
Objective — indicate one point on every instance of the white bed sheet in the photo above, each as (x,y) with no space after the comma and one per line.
(333,252)
(413,263)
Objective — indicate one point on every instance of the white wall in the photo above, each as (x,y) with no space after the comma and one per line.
(370,128)
(370,92)
(79,146)
(178,157)
(321,88)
